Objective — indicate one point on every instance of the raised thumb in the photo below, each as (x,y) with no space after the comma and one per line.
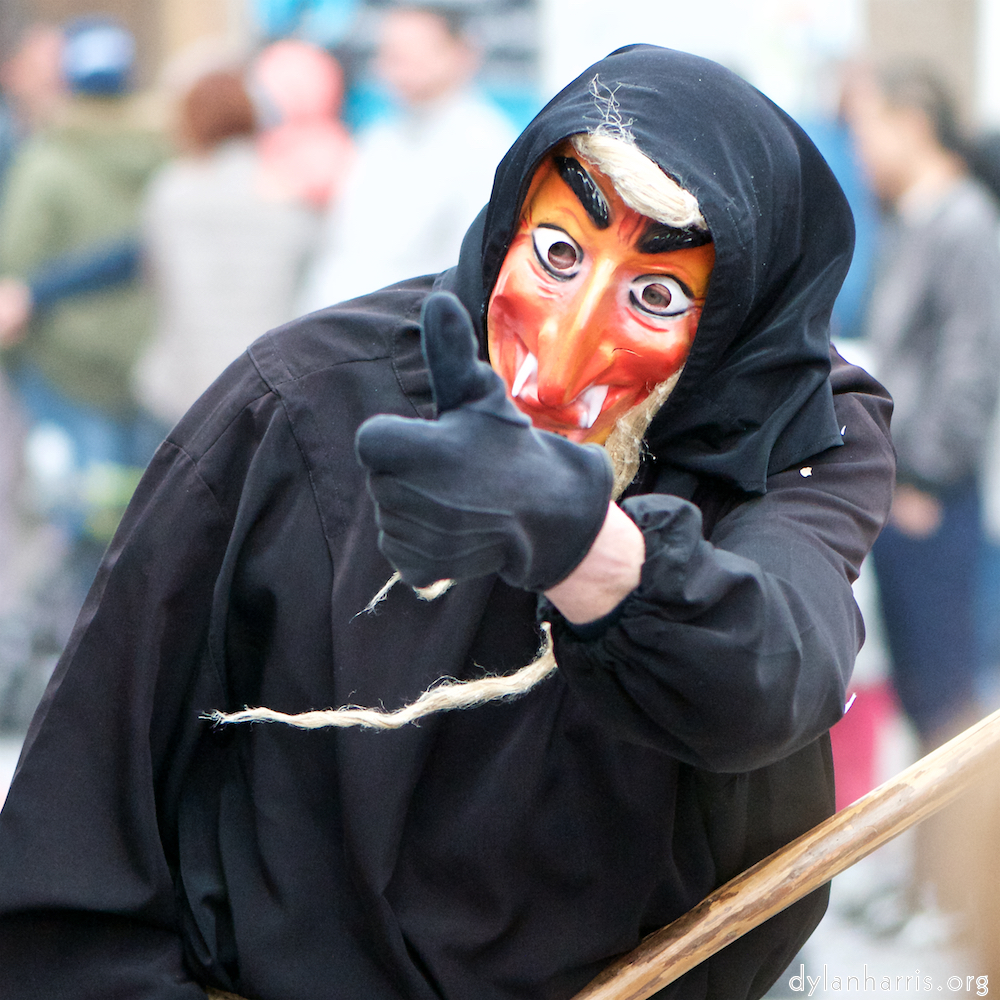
(450,349)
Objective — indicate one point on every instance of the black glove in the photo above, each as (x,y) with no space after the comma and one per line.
(479,490)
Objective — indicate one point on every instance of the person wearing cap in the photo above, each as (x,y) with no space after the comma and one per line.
(76,187)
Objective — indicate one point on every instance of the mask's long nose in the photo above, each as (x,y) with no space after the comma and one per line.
(568,342)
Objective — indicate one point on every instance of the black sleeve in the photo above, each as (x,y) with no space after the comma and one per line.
(735,650)
(86,896)
(88,845)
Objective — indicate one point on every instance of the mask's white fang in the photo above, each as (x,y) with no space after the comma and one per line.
(592,400)
(527,370)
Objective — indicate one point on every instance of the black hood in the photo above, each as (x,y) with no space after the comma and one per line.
(754,397)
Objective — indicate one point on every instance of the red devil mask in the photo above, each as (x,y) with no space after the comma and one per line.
(594,305)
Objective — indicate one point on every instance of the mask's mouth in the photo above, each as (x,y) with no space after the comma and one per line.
(584,409)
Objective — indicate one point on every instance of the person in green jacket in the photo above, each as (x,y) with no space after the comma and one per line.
(76,187)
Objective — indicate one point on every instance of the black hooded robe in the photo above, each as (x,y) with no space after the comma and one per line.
(511,851)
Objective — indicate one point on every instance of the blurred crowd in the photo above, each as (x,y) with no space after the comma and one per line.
(147,239)
(928,325)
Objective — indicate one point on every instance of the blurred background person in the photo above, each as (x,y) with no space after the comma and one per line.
(76,184)
(31,88)
(420,177)
(72,189)
(229,223)
(34,89)
(306,152)
(933,326)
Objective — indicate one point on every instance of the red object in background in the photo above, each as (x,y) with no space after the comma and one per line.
(308,152)
(856,741)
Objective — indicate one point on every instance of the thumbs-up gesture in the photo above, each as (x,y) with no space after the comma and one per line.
(479,490)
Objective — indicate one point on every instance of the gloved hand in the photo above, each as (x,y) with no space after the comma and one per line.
(479,490)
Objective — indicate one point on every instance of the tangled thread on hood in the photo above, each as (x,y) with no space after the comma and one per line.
(624,447)
(611,121)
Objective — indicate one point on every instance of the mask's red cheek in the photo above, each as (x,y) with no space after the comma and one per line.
(645,356)
(519,307)
(514,315)
(509,328)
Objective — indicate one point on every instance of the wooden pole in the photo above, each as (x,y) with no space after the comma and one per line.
(800,867)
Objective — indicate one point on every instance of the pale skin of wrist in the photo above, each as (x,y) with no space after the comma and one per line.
(610,571)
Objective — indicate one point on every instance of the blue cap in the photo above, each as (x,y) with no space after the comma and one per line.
(98,56)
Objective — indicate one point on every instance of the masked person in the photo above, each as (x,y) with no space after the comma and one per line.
(660,231)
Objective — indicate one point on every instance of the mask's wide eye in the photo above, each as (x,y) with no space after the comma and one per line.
(660,295)
(557,252)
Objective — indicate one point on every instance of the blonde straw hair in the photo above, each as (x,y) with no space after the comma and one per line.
(642,185)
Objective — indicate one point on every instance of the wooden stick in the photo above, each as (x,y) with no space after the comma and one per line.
(800,867)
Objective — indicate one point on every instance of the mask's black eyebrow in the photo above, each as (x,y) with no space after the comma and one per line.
(586,189)
(660,238)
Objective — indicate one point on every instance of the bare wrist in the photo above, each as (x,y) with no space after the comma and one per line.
(609,572)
